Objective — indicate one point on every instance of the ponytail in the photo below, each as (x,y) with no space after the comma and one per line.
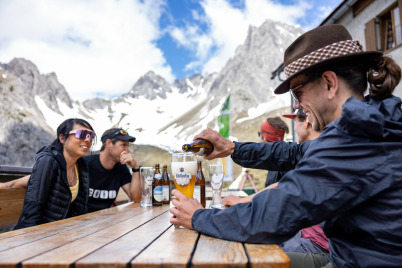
(383,78)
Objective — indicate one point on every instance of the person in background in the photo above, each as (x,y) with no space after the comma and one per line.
(308,240)
(350,177)
(107,171)
(58,185)
(273,129)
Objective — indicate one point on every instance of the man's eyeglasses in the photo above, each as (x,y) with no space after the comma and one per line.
(260,132)
(296,92)
(83,134)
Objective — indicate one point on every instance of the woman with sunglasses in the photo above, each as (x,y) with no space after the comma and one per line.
(58,186)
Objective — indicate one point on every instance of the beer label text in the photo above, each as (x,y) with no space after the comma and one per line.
(183,176)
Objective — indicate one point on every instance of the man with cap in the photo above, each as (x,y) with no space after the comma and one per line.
(303,128)
(350,178)
(107,171)
(273,129)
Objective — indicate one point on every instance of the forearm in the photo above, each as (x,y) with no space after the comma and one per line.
(277,156)
(20,183)
(135,187)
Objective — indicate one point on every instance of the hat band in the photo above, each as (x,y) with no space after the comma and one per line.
(331,51)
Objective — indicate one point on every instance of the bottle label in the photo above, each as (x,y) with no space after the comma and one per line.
(158,196)
(197,193)
(158,176)
(166,193)
(183,177)
(148,180)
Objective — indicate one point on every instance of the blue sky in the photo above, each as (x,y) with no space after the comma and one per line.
(101,47)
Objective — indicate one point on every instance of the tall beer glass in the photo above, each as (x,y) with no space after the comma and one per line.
(184,170)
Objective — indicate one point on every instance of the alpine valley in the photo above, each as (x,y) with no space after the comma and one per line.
(160,115)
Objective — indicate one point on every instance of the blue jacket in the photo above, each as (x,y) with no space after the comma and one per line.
(350,177)
(278,157)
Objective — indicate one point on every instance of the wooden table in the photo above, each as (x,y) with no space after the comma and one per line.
(128,235)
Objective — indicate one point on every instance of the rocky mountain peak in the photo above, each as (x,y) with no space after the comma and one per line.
(150,86)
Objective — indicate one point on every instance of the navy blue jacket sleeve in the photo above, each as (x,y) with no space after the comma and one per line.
(276,156)
(327,182)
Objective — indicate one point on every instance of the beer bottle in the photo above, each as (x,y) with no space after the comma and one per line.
(199,147)
(199,188)
(157,195)
(165,186)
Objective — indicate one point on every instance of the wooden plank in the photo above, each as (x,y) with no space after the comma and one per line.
(48,229)
(71,251)
(263,256)
(213,252)
(11,202)
(6,169)
(121,251)
(29,245)
(172,249)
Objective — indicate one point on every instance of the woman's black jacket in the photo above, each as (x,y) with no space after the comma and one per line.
(48,196)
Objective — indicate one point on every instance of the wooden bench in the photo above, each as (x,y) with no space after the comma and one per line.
(11,200)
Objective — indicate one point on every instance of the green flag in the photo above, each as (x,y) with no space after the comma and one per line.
(224,119)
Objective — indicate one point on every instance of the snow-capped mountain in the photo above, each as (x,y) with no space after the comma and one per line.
(155,112)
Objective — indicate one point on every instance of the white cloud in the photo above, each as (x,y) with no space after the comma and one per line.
(95,47)
(227,28)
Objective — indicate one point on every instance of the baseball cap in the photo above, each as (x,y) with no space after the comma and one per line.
(298,112)
(119,134)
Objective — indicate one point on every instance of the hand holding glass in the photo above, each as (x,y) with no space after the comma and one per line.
(146,178)
(216,177)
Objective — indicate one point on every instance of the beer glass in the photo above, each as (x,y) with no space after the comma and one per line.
(184,170)
(146,178)
(216,177)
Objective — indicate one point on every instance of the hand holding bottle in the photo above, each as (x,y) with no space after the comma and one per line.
(222,146)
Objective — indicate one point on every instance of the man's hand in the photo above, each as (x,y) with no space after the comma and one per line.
(127,158)
(183,209)
(232,200)
(222,146)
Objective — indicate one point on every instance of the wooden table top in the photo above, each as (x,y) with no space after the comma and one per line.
(128,235)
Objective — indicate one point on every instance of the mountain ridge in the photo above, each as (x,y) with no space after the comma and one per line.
(156,112)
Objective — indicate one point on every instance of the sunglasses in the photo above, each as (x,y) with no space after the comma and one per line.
(83,134)
(296,92)
(260,132)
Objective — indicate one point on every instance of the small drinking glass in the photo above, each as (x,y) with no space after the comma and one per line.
(146,178)
(216,178)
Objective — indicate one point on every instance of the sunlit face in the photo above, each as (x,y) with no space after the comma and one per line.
(77,147)
(312,101)
(116,149)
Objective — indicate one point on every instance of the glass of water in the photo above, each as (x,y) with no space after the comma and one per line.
(146,178)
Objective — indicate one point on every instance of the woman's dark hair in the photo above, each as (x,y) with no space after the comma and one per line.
(278,123)
(65,128)
(382,75)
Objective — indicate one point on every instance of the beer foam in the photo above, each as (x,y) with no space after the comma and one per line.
(191,166)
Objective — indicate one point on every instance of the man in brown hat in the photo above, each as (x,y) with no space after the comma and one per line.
(350,177)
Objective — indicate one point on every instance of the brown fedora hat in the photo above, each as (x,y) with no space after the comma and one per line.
(319,47)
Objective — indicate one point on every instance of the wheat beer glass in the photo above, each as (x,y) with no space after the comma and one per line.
(184,170)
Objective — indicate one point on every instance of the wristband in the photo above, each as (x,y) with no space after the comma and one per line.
(135,170)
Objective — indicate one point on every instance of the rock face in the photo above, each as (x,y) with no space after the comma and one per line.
(28,97)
